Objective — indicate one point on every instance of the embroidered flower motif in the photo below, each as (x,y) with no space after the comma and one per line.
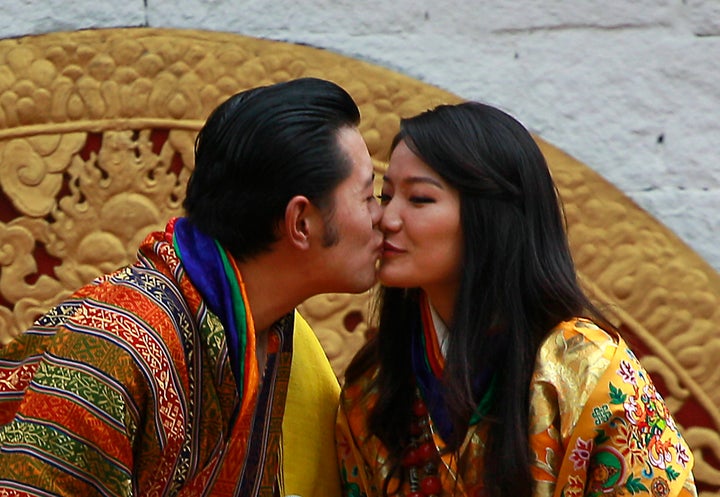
(682,454)
(659,453)
(627,443)
(671,422)
(574,487)
(649,393)
(581,453)
(633,410)
(627,373)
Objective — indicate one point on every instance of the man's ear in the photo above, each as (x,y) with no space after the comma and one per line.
(300,219)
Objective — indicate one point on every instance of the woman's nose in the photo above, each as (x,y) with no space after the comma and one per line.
(390,220)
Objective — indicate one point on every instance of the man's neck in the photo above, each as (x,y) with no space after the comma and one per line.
(274,287)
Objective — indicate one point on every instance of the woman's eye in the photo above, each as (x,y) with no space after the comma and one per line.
(384,198)
(421,200)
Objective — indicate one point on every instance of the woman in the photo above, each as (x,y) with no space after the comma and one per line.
(491,372)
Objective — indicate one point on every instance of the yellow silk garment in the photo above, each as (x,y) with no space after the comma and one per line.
(309,461)
(598,427)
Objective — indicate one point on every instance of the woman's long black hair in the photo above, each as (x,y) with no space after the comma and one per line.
(518,282)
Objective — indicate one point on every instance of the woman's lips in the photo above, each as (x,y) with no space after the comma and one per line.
(390,249)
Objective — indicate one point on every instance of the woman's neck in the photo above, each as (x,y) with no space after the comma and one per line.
(443,301)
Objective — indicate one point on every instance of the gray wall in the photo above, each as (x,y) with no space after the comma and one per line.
(631,88)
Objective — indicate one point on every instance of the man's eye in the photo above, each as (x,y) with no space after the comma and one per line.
(384,198)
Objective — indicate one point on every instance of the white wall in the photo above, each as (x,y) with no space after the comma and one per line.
(631,88)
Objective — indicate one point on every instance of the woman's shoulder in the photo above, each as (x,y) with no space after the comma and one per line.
(572,358)
(577,343)
(569,364)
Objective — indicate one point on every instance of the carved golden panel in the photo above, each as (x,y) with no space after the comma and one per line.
(96,144)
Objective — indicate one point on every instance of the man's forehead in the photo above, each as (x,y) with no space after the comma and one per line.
(357,182)
(364,173)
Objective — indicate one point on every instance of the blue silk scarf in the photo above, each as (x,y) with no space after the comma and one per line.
(208,268)
(430,383)
(211,270)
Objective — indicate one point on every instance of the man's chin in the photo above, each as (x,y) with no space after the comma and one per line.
(364,287)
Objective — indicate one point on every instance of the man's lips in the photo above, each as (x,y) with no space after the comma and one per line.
(380,245)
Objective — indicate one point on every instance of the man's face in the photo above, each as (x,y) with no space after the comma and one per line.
(349,264)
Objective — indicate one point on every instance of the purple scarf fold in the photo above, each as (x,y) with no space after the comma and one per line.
(203,263)
(433,390)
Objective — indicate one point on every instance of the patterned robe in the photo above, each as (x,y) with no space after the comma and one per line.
(126,389)
(598,427)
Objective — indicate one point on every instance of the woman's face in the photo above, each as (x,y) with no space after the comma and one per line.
(421,225)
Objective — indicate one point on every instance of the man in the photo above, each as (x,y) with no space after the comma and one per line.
(189,372)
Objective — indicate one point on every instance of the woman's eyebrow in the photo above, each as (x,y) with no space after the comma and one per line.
(422,179)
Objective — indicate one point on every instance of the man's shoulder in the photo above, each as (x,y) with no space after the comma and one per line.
(134,296)
(129,287)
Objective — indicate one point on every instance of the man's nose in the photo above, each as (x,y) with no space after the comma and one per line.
(376,213)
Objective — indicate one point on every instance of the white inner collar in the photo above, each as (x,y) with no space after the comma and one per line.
(441,330)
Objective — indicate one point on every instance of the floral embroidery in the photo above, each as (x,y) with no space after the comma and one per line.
(632,409)
(617,442)
(671,424)
(683,457)
(637,449)
(627,373)
(617,396)
(636,411)
(581,453)
(574,487)
(627,442)
(659,452)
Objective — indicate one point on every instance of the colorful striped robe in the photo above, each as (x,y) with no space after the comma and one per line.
(126,389)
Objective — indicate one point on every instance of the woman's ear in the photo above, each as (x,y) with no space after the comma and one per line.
(299,221)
